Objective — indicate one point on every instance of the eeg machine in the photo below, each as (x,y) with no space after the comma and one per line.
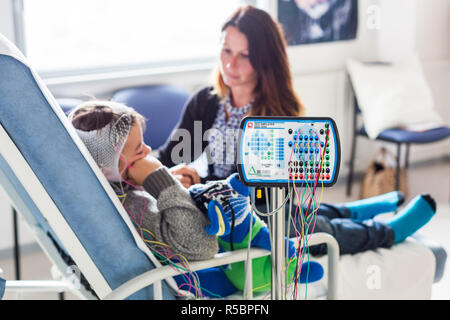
(287,152)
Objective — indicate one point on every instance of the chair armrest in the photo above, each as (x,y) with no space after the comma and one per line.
(333,260)
(164,272)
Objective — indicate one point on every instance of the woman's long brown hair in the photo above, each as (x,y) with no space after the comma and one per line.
(274,92)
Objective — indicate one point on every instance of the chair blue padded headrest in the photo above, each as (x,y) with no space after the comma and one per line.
(39,134)
(161,105)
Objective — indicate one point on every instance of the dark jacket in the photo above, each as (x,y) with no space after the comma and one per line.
(198,116)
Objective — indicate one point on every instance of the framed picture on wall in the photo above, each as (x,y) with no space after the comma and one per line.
(315,21)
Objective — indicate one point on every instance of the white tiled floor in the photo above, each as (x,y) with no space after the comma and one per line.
(432,178)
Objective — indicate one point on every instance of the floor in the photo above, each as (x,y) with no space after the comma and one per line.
(433,178)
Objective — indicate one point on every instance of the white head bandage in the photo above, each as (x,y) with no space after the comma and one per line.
(106,144)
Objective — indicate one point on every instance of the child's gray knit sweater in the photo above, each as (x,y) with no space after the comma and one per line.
(171,215)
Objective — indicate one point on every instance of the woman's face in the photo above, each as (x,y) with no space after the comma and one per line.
(133,150)
(235,65)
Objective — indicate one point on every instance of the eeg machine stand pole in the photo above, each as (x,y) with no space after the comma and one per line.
(278,245)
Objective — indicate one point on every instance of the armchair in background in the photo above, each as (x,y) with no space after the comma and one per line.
(396,106)
(162,105)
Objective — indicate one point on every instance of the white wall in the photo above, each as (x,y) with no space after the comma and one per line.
(6,19)
(405,26)
(319,69)
(319,74)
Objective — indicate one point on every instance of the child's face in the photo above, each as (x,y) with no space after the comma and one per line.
(133,150)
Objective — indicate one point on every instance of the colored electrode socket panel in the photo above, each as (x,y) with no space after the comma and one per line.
(280,151)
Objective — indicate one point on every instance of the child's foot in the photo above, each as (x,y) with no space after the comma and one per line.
(368,208)
(414,216)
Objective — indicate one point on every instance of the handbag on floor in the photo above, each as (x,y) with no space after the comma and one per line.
(380,177)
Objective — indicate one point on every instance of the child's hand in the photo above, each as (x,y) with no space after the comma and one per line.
(142,168)
(185,174)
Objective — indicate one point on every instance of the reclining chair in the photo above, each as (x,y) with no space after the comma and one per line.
(53,182)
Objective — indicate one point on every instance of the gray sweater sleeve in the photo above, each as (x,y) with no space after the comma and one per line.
(177,221)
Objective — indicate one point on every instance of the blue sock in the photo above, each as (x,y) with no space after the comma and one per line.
(412,217)
(368,208)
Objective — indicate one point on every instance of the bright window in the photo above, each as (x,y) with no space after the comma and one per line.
(64,36)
